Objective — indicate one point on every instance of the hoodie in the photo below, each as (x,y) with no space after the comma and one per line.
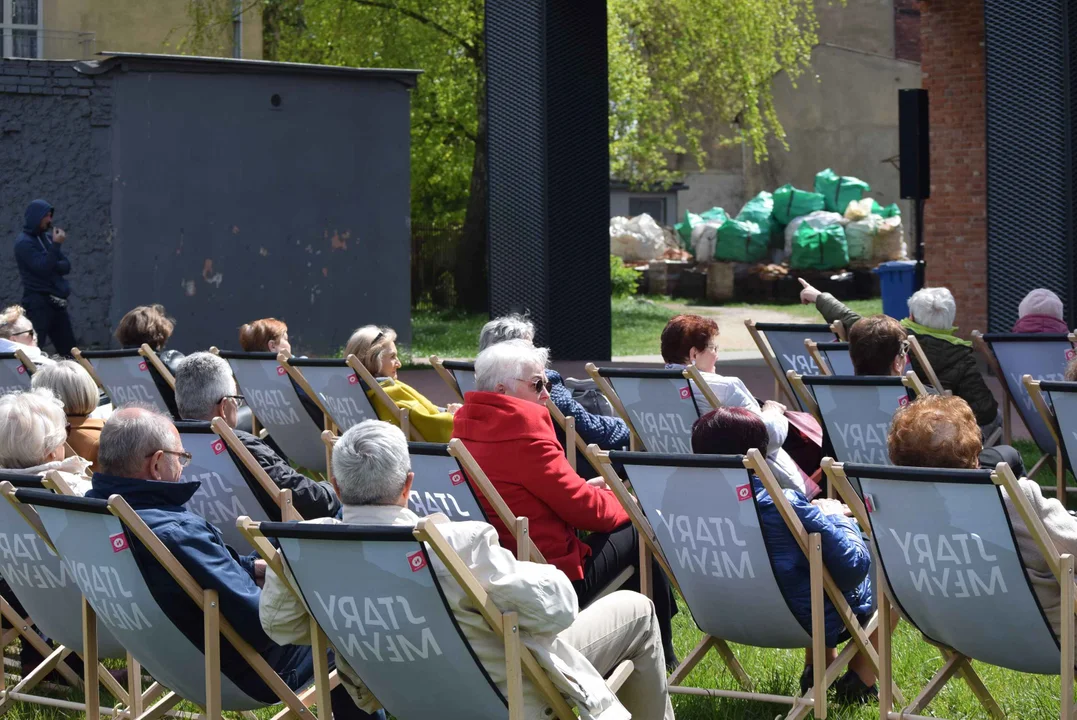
(514,443)
(42,263)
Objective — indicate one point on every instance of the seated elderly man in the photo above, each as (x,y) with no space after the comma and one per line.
(17,333)
(931,320)
(506,427)
(142,460)
(205,389)
(878,346)
(609,433)
(372,475)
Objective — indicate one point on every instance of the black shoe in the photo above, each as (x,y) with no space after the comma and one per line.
(850,689)
(807,679)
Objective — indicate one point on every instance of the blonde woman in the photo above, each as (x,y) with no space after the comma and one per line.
(70,382)
(375,348)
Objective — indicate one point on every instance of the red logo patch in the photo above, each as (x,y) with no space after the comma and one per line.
(119,542)
(417,561)
(744,492)
(686,393)
(21,370)
(143,367)
(353,379)
(903,401)
(281,370)
(869,503)
(456,478)
(218,446)
(1071,353)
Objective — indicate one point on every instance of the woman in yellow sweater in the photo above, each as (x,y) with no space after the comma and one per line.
(375,348)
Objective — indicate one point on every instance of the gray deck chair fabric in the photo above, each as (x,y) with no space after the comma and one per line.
(1062,398)
(269,391)
(836,356)
(94,545)
(13,374)
(703,513)
(127,377)
(225,494)
(787,342)
(1044,357)
(660,405)
(44,584)
(388,619)
(340,390)
(857,412)
(440,485)
(948,550)
(463,372)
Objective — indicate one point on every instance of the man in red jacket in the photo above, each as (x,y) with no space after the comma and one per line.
(505,425)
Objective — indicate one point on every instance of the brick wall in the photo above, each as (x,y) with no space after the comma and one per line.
(54,144)
(907,30)
(955,219)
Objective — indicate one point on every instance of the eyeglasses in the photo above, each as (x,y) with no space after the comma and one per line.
(536,385)
(905,345)
(183,455)
(240,400)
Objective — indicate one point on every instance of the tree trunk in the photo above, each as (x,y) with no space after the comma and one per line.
(471,275)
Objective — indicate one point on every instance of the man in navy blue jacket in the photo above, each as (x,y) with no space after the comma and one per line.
(43,268)
(141,459)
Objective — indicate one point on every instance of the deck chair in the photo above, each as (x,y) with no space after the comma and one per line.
(1011,356)
(832,358)
(1056,403)
(269,392)
(335,387)
(697,515)
(397,563)
(128,376)
(40,580)
(658,405)
(954,571)
(96,534)
(459,375)
(233,483)
(782,348)
(916,353)
(15,371)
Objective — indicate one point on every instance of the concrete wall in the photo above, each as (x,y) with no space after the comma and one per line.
(620,203)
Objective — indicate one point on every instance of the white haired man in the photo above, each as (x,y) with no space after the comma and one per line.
(205,389)
(372,475)
(931,320)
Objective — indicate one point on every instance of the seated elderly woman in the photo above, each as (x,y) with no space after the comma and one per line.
(505,425)
(693,340)
(735,431)
(17,333)
(70,382)
(931,320)
(941,432)
(375,348)
(609,433)
(1041,311)
(33,430)
(265,335)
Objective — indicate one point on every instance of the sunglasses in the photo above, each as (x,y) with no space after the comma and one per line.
(536,385)
(25,332)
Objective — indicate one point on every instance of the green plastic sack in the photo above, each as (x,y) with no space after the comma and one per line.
(741,241)
(891,210)
(839,191)
(791,203)
(684,229)
(824,249)
(760,210)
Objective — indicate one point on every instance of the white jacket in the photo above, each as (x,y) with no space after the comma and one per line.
(541,594)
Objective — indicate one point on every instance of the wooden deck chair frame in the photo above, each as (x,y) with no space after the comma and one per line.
(930,377)
(813,351)
(147,354)
(26,362)
(446,376)
(573,442)
(821,583)
(282,497)
(1049,419)
(910,381)
(518,659)
(781,386)
(399,414)
(1008,401)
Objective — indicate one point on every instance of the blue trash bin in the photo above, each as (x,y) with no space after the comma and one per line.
(897,281)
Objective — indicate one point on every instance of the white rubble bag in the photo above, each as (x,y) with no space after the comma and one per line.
(638,239)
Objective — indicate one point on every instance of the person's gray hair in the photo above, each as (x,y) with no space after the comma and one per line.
(202,380)
(32,425)
(12,320)
(70,382)
(506,327)
(933,307)
(131,435)
(371,463)
(505,362)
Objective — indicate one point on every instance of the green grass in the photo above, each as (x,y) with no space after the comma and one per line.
(808,312)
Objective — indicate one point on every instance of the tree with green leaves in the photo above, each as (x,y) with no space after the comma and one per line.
(674,65)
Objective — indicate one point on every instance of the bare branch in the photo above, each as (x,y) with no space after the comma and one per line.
(467,45)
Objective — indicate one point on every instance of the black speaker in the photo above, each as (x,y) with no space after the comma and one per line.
(547,93)
(914,144)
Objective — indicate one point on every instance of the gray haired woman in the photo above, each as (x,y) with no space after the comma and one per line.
(33,433)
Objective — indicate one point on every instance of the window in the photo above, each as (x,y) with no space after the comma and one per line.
(21,26)
(653,206)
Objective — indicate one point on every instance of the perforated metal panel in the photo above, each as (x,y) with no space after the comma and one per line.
(547,95)
(1030,162)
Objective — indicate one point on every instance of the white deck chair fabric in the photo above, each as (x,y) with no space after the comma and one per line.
(660,404)
(787,342)
(703,513)
(339,389)
(13,374)
(127,377)
(1062,398)
(947,548)
(836,356)
(1044,357)
(440,485)
(225,494)
(388,619)
(464,374)
(268,390)
(93,543)
(857,412)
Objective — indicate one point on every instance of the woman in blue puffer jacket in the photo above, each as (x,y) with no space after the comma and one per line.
(734,431)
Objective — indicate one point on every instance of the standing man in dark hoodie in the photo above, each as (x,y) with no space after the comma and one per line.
(43,267)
